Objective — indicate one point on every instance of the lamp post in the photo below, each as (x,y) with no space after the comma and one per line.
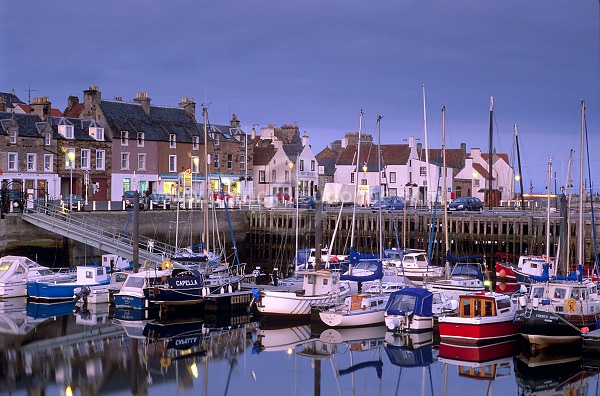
(71,156)
(364,168)
(195,162)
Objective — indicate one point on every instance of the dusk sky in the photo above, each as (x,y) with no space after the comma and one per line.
(318,63)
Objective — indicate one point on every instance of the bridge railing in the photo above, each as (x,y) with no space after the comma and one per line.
(58,216)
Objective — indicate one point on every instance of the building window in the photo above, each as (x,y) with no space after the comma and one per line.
(392,177)
(273,175)
(100,155)
(351,178)
(97,133)
(243,141)
(475,183)
(261,176)
(172,140)
(48,162)
(142,161)
(68,163)
(363,182)
(13,136)
(312,165)
(13,159)
(47,139)
(85,158)
(301,165)
(140,139)
(216,138)
(423,171)
(242,162)
(287,176)
(31,162)
(172,163)
(125,161)
(124,138)
(195,142)
(195,164)
(229,161)
(216,161)
(126,184)
(66,131)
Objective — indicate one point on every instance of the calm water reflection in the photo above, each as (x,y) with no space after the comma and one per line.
(59,349)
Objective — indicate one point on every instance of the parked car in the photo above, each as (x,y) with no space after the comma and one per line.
(466,204)
(160,201)
(129,199)
(307,202)
(388,203)
(77,201)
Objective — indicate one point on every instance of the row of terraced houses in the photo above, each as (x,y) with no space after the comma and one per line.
(101,148)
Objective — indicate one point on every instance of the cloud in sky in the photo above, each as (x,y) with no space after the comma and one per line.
(319,63)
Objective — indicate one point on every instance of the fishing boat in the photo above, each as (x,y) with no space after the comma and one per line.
(16,271)
(320,287)
(482,317)
(467,274)
(409,310)
(528,268)
(86,276)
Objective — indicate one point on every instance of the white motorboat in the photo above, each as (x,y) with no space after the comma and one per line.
(357,310)
(16,271)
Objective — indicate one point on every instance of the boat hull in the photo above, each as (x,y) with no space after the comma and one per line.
(408,323)
(480,353)
(131,301)
(290,303)
(476,330)
(352,318)
(543,328)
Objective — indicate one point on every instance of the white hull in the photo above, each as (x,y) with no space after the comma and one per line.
(400,323)
(290,303)
(16,289)
(353,318)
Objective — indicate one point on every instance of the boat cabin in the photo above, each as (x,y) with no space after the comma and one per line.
(566,297)
(320,282)
(91,275)
(482,304)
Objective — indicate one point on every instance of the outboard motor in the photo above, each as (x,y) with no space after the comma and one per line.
(84,292)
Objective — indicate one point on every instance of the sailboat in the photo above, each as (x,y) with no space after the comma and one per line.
(559,309)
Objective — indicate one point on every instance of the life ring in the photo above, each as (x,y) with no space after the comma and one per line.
(571,304)
(166,264)
(165,362)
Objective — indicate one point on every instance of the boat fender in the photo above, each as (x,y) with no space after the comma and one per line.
(229,288)
(166,264)
(165,362)
(334,259)
(522,301)
(571,304)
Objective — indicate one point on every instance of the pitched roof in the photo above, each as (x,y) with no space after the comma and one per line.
(391,154)
(157,125)
(482,171)
(80,128)
(454,157)
(27,123)
(74,111)
(263,154)
(10,99)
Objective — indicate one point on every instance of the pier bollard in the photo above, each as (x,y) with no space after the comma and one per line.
(93,205)
(108,205)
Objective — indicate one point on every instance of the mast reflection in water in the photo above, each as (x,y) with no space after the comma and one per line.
(68,349)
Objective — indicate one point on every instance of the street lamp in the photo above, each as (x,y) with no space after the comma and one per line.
(195,162)
(71,156)
(366,198)
(291,165)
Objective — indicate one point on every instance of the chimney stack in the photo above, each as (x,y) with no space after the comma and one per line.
(235,123)
(189,106)
(41,107)
(91,101)
(143,99)
(2,103)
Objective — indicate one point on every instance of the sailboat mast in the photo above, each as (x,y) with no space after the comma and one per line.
(581,152)
(447,242)
(519,163)
(379,168)
(548,211)
(569,187)
(206,180)
(356,178)
(427,200)
(490,152)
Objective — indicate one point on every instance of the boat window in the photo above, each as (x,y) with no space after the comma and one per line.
(503,303)
(325,281)
(311,279)
(100,271)
(89,275)
(134,281)
(466,307)
(421,258)
(575,294)
(559,293)
(409,259)
(489,308)
(404,303)
(538,292)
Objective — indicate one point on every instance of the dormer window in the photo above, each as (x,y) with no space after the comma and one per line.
(195,142)
(172,140)
(141,136)
(97,133)
(13,136)
(124,138)
(47,139)
(216,138)
(243,141)
(66,131)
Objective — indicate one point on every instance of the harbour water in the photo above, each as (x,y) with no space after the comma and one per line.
(68,349)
